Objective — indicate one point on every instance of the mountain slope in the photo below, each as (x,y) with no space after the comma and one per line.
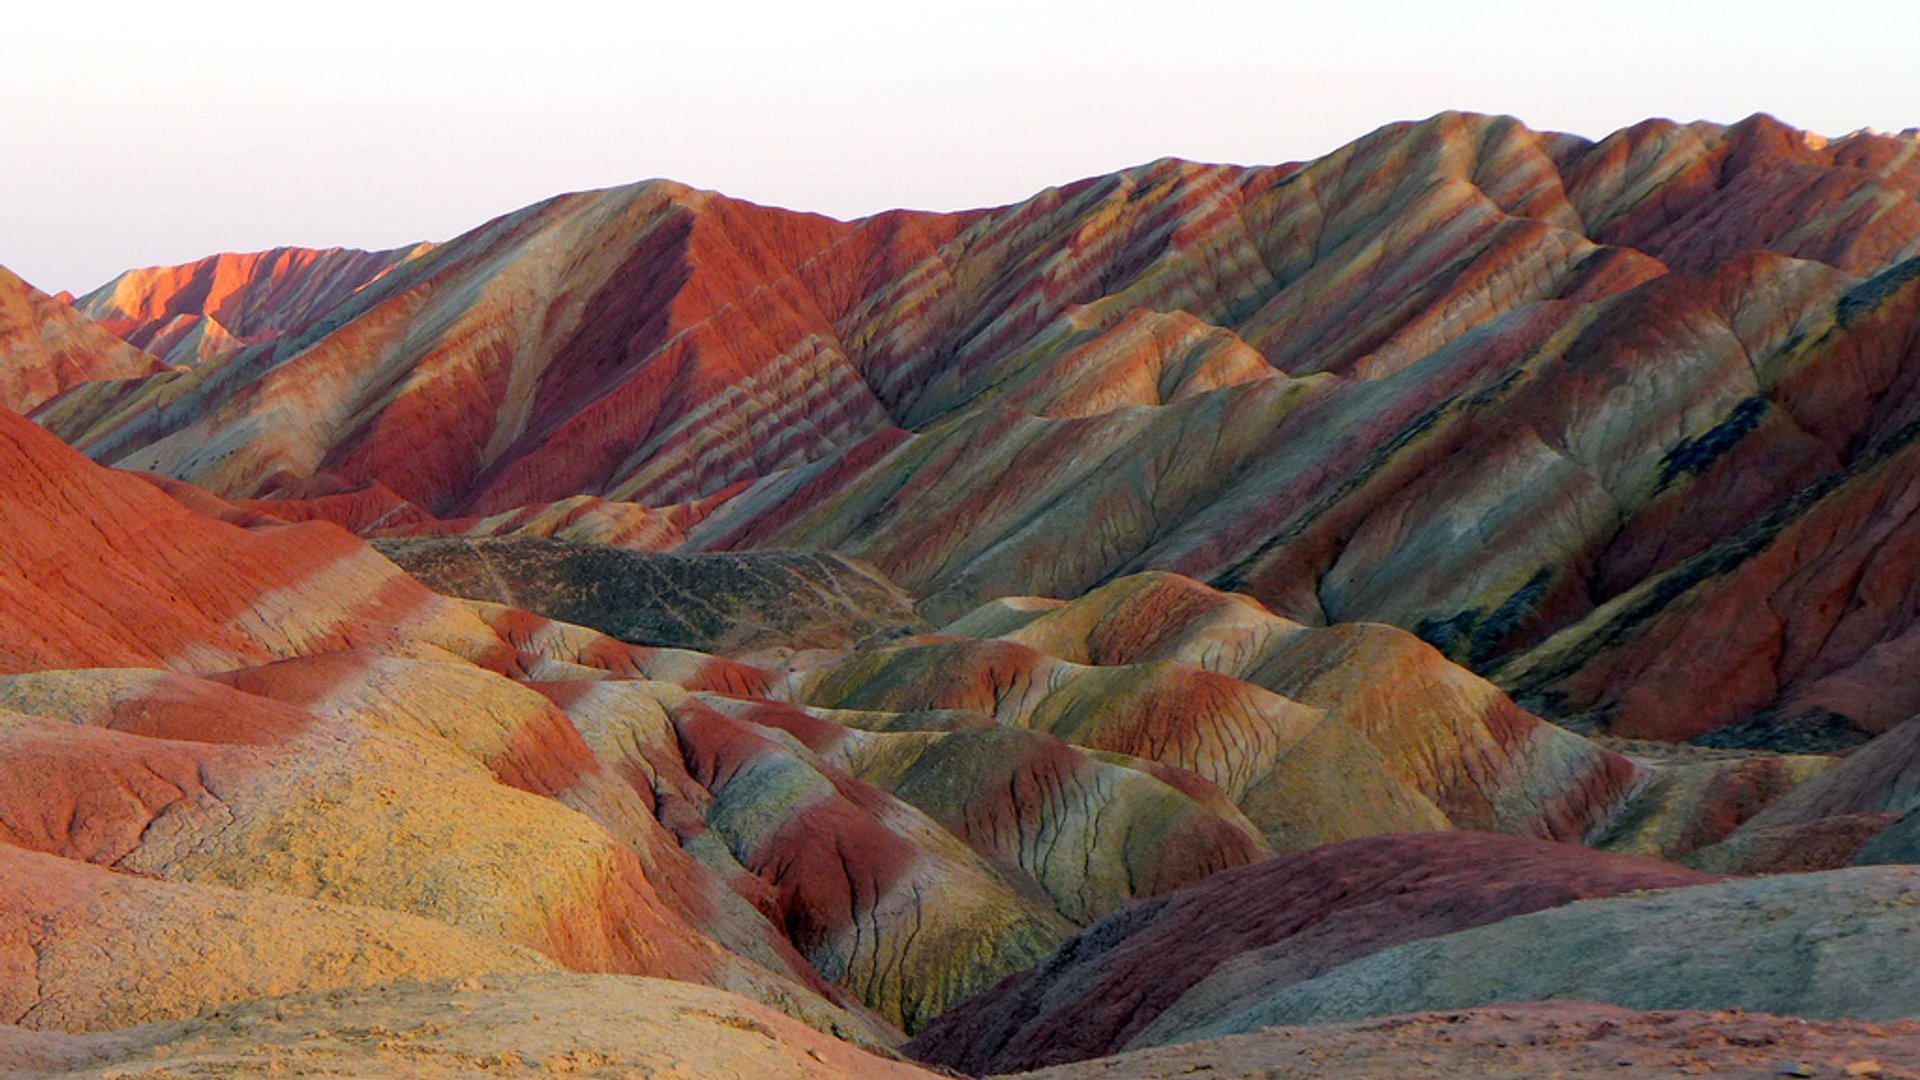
(1480,382)
(1320,553)
(1816,945)
(46,347)
(205,309)
(1267,925)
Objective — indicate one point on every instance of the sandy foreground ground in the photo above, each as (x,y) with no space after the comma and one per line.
(499,1026)
(1545,1040)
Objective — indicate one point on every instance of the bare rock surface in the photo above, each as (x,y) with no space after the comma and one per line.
(1827,945)
(1239,935)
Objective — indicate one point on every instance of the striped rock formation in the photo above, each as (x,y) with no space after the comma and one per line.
(1645,368)
(111,572)
(912,855)
(182,340)
(1825,945)
(46,347)
(333,685)
(333,814)
(878,895)
(1261,927)
(1896,843)
(1835,817)
(302,778)
(1091,829)
(1261,509)
(376,512)
(1318,734)
(1690,798)
(207,309)
(956,880)
(914,889)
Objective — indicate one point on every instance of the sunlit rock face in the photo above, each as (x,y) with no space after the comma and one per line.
(1550,404)
(206,309)
(216,699)
(1188,600)
(46,346)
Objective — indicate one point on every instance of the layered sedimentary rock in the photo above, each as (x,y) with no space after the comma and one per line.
(960,840)
(292,819)
(1563,408)
(181,340)
(339,690)
(878,895)
(1829,820)
(1260,509)
(302,778)
(1249,931)
(1818,945)
(206,309)
(1689,798)
(914,887)
(111,572)
(46,347)
(525,742)
(1895,843)
(1091,830)
(601,333)
(1293,722)
(1832,557)
(889,859)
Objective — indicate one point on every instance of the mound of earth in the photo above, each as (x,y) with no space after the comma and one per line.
(1244,932)
(1828,945)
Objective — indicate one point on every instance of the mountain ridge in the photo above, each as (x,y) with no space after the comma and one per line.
(1417,561)
(1179,351)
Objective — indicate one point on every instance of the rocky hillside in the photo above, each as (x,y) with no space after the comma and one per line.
(46,346)
(1194,599)
(1564,409)
(204,310)
(1252,930)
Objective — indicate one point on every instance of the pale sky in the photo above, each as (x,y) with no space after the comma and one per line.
(140,133)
